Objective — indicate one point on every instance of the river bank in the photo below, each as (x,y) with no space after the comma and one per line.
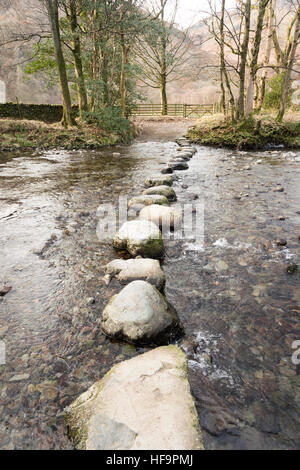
(25,135)
(259,133)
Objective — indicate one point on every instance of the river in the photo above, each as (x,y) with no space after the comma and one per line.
(239,306)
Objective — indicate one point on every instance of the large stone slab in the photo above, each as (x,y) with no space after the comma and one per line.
(126,271)
(159,180)
(141,404)
(166,217)
(140,314)
(140,238)
(147,200)
(166,191)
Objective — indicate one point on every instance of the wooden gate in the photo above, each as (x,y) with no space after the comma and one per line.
(177,110)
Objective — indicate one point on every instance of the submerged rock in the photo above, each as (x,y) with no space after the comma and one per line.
(159,181)
(147,200)
(140,238)
(163,191)
(5,290)
(137,269)
(166,171)
(144,403)
(178,165)
(166,217)
(140,314)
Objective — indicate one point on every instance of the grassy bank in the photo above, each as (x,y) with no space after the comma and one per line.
(27,135)
(259,133)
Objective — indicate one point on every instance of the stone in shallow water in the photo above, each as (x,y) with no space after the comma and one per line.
(163,191)
(137,269)
(140,238)
(144,403)
(178,165)
(159,181)
(167,171)
(182,156)
(140,314)
(165,217)
(147,200)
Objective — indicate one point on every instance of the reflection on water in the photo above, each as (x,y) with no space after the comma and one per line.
(239,306)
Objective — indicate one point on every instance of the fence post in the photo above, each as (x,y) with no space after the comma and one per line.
(184,110)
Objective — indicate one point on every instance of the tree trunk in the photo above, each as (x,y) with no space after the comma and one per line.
(255,53)
(125,52)
(52,8)
(95,60)
(260,95)
(163,95)
(288,73)
(222,59)
(76,50)
(244,53)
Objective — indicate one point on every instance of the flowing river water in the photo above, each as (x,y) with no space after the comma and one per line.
(239,306)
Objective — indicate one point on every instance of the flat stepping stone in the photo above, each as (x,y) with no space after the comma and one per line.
(159,181)
(183,156)
(141,315)
(166,217)
(126,271)
(140,238)
(187,149)
(144,403)
(163,191)
(179,166)
(147,200)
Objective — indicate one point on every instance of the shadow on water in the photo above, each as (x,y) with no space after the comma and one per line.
(239,306)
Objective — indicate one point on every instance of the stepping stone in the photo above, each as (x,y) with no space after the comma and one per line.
(178,166)
(144,403)
(137,269)
(183,156)
(165,217)
(147,200)
(140,238)
(159,181)
(167,171)
(187,149)
(163,191)
(176,160)
(141,315)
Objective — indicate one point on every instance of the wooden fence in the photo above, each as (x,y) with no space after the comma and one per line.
(179,110)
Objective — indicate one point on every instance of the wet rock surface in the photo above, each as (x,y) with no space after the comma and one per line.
(141,315)
(164,217)
(244,320)
(140,238)
(112,414)
(163,191)
(130,270)
(147,200)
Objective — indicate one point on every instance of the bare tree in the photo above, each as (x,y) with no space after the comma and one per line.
(293,43)
(162,52)
(72,9)
(52,9)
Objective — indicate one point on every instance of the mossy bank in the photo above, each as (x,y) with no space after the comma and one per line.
(258,133)
(30,135)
